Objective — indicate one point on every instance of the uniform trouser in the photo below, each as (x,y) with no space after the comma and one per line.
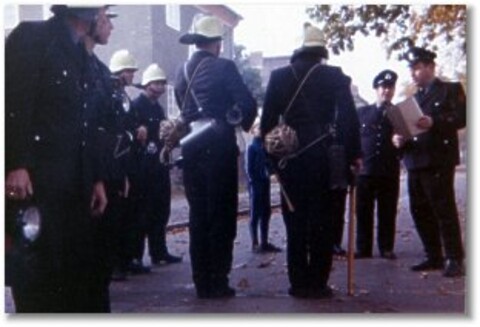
(152,207)
(382,191)
(117,230)
(339,198)
(309,227)
(211,185)
(259,210)
(434,211)
(68,272)
(154,215)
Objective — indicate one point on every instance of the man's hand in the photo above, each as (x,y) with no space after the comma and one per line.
(18,185)
(99,201)
(142,134)
(425,122)
(398,140)
(126,189)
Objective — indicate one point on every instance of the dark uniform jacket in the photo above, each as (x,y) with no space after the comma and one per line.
(438,147)
(149,115)
(116,123)
(51,123)
(312,112)
(148,169)
(380,157)
(218,87)
(52,128)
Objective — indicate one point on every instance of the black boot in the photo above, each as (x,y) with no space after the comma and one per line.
(202,285)
(219,287)
(453,268)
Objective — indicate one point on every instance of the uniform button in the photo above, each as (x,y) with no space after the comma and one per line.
(379,135)
(85,86)
(85,105)
(415,139)
(85,124)
(377,152)
(65,73)
(84,143)
(378,143)
(12,115)
(37,138)
(445,142)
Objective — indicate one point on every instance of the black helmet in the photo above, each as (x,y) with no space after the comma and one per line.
(87,13)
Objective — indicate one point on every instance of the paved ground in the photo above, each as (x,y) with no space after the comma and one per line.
(381,286)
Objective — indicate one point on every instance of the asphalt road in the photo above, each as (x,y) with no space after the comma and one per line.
(380,286)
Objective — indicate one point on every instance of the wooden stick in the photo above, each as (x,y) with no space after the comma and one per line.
(290,206)
(351,235)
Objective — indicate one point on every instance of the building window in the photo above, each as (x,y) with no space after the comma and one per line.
(172,16)
(172,108)
(11,16)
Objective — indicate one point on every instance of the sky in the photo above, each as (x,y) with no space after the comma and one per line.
(277,29)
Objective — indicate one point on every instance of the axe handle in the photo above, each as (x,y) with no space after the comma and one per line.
(289,203)
(351,235)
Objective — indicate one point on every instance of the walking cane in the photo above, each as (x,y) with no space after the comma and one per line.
(351,230)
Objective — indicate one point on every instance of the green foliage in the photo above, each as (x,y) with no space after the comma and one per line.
(400,26)
(251,76)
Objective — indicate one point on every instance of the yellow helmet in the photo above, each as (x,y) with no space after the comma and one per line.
(204,29)
(313,36)
(121,60)
(153,73)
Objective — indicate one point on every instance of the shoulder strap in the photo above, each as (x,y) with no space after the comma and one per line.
(299,88)
(190,81)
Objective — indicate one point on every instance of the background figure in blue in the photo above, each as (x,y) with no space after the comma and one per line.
(52,158)
(430,159)
(306,178)
(152,185)
(378,180)
(211,173)
(258,173)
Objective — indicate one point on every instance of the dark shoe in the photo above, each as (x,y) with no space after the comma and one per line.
(269,248)
(453,268)
(137,268)
(362,255)
(338,251)
(389,255)
(428,264)
(300,293)
(325,292)
(222,292)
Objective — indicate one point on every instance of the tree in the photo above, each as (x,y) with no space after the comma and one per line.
(251,76)
(437,27)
